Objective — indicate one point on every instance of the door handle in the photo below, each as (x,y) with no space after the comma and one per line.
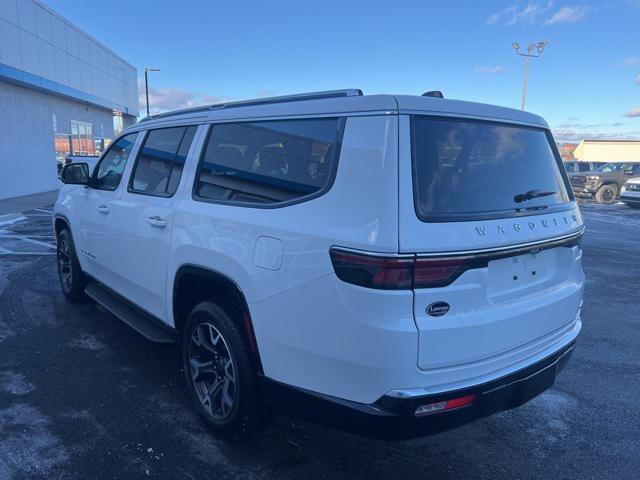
(157,221)
(104,208)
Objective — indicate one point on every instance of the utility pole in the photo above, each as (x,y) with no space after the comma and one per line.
(146,83)
(539,48)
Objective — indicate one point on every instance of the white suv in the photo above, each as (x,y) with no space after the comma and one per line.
(630,192)
(390,265)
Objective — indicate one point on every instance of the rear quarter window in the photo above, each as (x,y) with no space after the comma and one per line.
(269,163)
(470,170)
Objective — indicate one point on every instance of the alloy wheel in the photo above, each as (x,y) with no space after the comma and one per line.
(212,371)
(64,265)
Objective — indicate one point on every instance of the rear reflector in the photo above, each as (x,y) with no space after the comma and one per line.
(445,405)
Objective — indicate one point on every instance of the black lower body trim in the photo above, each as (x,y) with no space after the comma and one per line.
(394,418)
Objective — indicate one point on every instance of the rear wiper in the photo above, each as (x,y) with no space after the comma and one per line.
(531,194)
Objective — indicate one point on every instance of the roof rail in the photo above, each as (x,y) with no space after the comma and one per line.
(351,92)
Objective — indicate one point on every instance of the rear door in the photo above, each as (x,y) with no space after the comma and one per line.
(143,217)
(478,200)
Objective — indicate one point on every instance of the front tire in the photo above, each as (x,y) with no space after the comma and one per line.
(221,378)
(72,280)
(607,194)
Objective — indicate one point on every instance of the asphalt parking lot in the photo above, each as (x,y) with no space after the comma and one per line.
(83,396)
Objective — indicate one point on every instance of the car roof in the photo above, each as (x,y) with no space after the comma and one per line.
(341,103)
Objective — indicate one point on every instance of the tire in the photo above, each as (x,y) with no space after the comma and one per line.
(72,280)
(226,395)
(607,194)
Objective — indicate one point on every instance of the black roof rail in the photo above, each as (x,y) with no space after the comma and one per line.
(350,92)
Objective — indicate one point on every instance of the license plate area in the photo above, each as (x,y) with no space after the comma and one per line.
(515,275)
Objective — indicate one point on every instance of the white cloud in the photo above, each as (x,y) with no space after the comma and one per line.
(567,15)
(170,98)
(633,113)
(520,13)
(497,70)
(537,12)
(631,62)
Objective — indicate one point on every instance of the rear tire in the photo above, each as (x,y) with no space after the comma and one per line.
(221,378)
(607,194)
(72,280)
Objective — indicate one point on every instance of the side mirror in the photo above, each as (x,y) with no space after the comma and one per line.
(75,174)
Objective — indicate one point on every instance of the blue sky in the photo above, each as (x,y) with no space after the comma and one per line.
(586,84)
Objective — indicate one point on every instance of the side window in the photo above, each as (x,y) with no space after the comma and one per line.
(108,172)
(584,167)
(268,162)
(161,159)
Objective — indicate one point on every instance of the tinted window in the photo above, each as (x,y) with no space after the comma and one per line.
(632,169)
(161,160)
(465,169)
(584,167)
(268,162)
(109,170)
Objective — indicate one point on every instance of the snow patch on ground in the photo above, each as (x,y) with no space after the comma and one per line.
(88,342)
(27,447)
(15,383)
(10,219)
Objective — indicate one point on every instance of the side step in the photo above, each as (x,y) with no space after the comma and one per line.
(141,322)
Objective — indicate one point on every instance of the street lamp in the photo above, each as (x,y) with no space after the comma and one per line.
(146,83)
(539,48)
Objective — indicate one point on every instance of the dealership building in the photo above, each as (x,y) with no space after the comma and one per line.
(61,93)
(608,151)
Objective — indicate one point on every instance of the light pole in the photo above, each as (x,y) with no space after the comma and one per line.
(146,83)
(539,48)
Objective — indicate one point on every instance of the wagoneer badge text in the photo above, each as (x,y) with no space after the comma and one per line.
(438,309)
(531,224)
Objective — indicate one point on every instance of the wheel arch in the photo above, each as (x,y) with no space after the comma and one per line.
(193,284)
(60,222)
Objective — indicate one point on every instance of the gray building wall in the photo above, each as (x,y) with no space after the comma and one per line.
(48,66)
(27,155)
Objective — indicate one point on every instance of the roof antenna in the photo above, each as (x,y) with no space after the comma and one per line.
(433,93)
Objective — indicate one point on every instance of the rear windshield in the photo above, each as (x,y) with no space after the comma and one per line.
(467,169)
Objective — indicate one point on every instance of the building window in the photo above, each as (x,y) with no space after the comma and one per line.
(82,143)
(63,146)
(118,123)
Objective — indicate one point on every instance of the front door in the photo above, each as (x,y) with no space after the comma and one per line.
(95,240)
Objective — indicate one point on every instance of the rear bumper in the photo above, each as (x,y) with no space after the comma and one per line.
(393,418)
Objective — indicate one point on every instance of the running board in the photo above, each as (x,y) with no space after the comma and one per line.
(141,322)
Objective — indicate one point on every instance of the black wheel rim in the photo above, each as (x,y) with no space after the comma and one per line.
(65,266)
(608,194)
(212,371)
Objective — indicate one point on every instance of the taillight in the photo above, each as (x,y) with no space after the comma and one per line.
(438,272)
(386,273)
(400,272)
(404,272)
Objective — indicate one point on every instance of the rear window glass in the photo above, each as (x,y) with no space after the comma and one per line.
(473,169)
(268,162)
